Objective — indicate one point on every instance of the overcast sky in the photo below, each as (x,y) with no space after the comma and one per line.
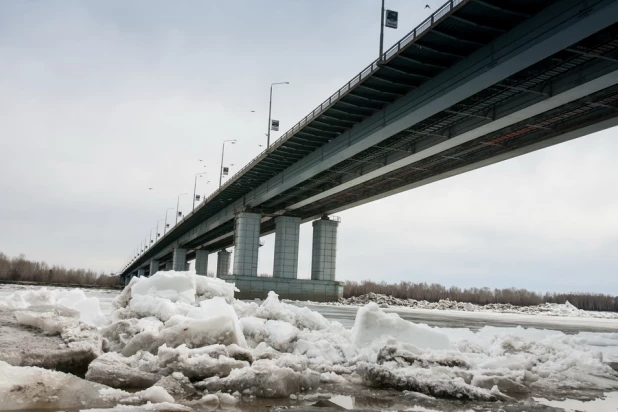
(101,100)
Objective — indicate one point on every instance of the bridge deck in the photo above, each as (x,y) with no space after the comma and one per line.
(476,130)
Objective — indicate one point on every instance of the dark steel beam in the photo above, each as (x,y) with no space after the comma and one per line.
(471,23)
(502,9)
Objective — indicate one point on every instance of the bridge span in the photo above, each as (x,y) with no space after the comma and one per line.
(478,82)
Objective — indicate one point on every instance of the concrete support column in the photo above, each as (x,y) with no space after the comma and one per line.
(287,232)
(168,265)
(246,244)
(324,252)
(127,279)
(223,263)
(179,259)
(201,262)
(154,267)
(141,272)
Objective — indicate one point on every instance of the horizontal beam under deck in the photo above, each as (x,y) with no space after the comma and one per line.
(515,112)
(550,31)
(226,240)
(574,134)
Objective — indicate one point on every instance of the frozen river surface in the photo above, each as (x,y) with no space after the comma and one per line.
(600,334)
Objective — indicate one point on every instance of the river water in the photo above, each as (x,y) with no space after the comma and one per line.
(368,399)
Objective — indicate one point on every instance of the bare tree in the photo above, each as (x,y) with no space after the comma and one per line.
(21,269)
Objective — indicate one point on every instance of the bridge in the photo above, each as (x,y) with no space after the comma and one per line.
(478,82)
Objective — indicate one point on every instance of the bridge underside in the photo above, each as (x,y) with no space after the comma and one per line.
(462,88)
(590,59)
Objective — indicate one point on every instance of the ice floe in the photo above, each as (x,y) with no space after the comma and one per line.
(186,339)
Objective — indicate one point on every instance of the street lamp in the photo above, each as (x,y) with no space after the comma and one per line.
(194,187)
(232,141)
(166,226)
(177,204)
(270,106)
(158,235)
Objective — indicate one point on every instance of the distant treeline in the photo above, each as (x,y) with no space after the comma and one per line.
(22,270)
(480,296)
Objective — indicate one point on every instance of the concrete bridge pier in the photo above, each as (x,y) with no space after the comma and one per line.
(154,267)
(287,232)
(223,263)
(141,272)
(179,259)
(168,265)
(324,251)
(246,243)
(201,262)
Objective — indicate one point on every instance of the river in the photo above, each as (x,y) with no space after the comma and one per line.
(363,398)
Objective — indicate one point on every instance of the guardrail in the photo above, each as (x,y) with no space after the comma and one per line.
(391,52)
(374,66)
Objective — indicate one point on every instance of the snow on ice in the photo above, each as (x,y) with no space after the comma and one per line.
(185,339)
(87,307)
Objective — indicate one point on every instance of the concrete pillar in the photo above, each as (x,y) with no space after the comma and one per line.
(127,279)
(223,263)
(246,244)
(287,232)
(201,262)
(154,267)
(324,252)
(168,265)
(141,272)
(179,260)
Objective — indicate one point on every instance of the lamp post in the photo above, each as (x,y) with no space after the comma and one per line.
(270,106)
(177,204)
(157,233)
(165,228)
(195,186)
(232,141)
(381,33)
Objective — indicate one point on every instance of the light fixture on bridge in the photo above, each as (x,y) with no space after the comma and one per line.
(225,170)
(194,187)
(272,124)
(391,20)
(178,213)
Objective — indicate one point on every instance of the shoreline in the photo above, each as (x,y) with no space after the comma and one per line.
(66,285)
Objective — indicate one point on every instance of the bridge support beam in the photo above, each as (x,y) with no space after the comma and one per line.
(179,259)
(127,279)
(223,263)
(141,272)
(287,232)
(324,251)
(246,244)
(154,267)
(201,262)
(168,265)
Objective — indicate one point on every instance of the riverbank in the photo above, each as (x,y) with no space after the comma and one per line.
(62,285)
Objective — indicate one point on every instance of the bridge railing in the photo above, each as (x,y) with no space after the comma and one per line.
(370,69)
